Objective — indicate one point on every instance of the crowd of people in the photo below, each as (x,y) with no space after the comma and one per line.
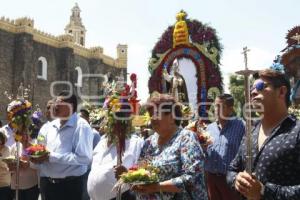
(82,162)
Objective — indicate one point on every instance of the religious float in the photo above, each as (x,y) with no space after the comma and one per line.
(290,59)
(185,62)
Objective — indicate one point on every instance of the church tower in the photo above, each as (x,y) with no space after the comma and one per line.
(75,26)
(122,55)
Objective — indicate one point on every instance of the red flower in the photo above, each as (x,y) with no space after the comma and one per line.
(134,167)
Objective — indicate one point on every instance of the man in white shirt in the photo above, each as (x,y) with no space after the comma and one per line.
(9,133)
(102,177)
(69,140)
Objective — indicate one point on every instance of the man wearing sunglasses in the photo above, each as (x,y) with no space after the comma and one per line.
(275,144)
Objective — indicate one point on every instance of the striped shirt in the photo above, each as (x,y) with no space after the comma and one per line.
(226,142)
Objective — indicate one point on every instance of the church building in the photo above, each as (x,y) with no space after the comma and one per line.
(46,64)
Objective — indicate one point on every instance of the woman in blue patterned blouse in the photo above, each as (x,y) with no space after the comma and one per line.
(175,152)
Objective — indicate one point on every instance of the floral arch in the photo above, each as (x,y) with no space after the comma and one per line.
(192,40)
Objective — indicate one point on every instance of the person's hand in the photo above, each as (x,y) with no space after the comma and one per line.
(147,188)
(12,163)
(248,186)
(40,159)
(118,170)
(12,166)
(254,191)
(24,164)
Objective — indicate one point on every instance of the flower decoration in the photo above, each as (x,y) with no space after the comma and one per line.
(187,112)
(141,175)
(199,127)
(114,104)
(97,113)
(18,114)
(36,150)
(193,40)
(141,120)
(119,107)
(36,124)
(294,110)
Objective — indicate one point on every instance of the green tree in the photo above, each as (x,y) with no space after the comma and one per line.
(237,90)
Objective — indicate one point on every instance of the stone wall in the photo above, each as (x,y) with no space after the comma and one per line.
(7,47)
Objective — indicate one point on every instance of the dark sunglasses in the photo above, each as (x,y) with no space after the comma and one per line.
(259,86)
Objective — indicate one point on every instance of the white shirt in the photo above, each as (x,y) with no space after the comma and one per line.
(4,171)
(70,146)
(27,177)
(101,178)
(9,133)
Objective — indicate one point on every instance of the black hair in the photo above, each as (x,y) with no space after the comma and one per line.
(3,138)
(229,101)
(277,79)
(85,112)
(69,97)
(168,103)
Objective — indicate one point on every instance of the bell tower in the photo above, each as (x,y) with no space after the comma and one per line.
(75,26)
(122,55)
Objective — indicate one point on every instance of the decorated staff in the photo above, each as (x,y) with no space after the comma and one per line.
(18,115)
(120,105)
(246,74)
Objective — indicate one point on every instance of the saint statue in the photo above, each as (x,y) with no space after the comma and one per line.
(176,87)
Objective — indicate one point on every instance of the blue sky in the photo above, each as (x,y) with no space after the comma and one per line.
(259,24)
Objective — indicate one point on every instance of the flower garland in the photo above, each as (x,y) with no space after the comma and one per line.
(119,107)
(204,49)
(199,33)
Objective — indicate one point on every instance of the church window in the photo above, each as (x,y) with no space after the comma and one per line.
(81,40)
(70,31)
(42,68)
(79,76)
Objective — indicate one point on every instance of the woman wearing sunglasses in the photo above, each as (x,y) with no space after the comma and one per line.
(275,144)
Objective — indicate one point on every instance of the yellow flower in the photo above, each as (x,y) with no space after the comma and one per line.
(115,105)
(18,137)
(14,125)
